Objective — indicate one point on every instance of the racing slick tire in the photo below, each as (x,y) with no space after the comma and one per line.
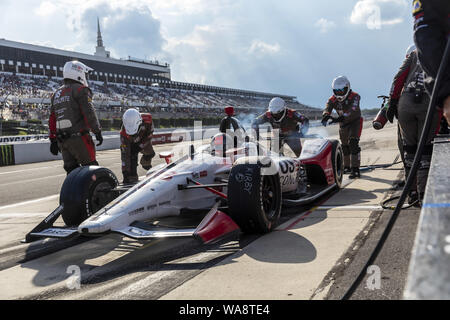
(337,161)
(85,191)
(254,200)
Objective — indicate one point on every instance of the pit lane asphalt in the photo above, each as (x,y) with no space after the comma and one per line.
(132,269)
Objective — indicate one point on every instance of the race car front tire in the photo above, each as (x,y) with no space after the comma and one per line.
(84,191)
(254,200)
(337,160)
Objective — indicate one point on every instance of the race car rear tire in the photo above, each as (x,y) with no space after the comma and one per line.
(85,191)
(254,200)
(337,160)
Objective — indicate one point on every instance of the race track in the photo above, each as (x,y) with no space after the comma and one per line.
(293,262)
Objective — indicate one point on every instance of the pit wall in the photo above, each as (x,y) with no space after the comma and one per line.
(36,148)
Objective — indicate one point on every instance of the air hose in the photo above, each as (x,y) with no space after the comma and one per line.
(411,176)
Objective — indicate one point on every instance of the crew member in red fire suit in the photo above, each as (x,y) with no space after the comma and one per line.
(409,103)
(287,121)
(431,33)
(346,103)
(136,136)
(72,117)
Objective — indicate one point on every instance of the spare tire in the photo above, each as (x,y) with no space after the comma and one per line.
(254,200)
(85,191)
(337,161)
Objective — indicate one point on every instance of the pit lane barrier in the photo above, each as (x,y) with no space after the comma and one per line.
(429,269)
(36,148)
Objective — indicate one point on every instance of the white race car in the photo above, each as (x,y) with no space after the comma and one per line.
(243,187)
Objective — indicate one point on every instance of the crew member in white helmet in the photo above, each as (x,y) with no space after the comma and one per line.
(287,121)
(72,117)
(136,136)
(346,103)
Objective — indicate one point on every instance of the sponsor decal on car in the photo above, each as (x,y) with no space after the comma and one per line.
(136,211)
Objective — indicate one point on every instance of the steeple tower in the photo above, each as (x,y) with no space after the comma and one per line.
(100,50)
(99,34)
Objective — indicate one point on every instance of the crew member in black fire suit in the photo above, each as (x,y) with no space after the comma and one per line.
(231,126)
(136,136)
(287,121)
(409,101)
(431,33)
(346,103)
(72,116)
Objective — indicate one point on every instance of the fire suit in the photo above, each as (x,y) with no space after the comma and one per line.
(230,125)
(349,128)
(409,93)
(72,116)
(130,146)
(431,31)
(288,126)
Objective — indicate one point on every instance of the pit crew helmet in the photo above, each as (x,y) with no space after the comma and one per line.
(77,71)
(277,107)
(410,49)
(229,111)
(131,120)
(341,88)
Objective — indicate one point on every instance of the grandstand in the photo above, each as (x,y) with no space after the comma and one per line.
(29,74)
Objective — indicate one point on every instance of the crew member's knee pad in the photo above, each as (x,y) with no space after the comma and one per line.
(425,162)
(354,146)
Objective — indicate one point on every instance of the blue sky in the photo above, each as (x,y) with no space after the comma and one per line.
(289,47)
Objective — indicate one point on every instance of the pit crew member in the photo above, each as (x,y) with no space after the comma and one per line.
(135,136)
(409,103)
(287,120)
(346,103)
(72,117)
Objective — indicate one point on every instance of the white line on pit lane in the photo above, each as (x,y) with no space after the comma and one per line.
(35,179)
(55,196)
(35,200)
(23,215)
(349,208)
(32,169)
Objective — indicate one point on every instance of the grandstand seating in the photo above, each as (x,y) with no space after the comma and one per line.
(29,96)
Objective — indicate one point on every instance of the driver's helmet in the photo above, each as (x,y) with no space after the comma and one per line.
(132,120)
(221,142)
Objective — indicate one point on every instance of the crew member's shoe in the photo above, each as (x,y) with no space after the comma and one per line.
(347,170)
(413,197)
(354,174)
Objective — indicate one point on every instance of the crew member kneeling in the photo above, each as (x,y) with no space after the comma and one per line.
(72,116)
(136,136)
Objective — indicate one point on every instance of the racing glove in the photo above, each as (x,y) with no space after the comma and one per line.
(338,119)
(392,110)
(54,147)
(325,119)
(99,138)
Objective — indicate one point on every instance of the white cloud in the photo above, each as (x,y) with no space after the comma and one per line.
(46,8)
(377,13)
(259,47)
(325,25)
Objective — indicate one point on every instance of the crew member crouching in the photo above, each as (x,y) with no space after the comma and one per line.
(135,136)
